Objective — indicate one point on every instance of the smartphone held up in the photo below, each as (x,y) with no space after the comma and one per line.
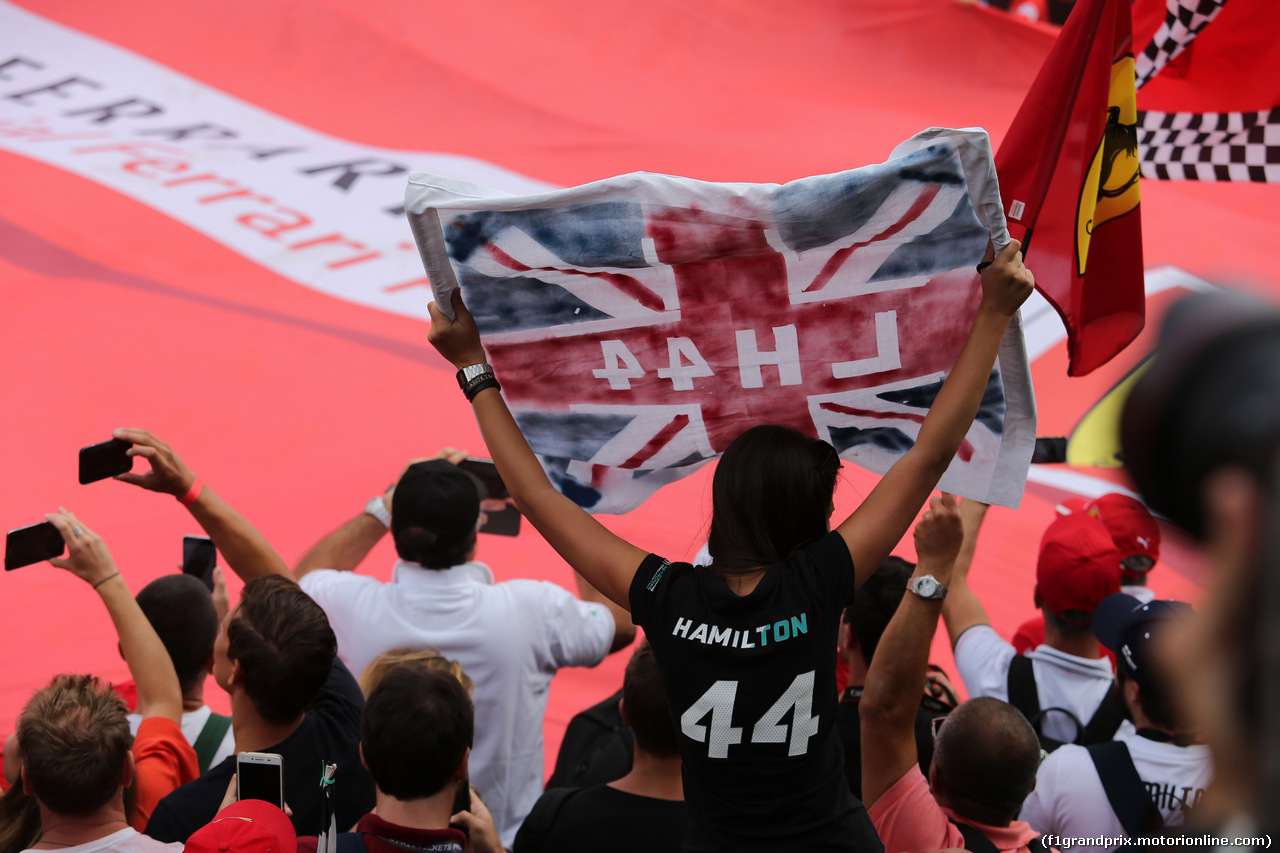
(501,517)
(199,558)
(33,544)
(260,776)
(100,461)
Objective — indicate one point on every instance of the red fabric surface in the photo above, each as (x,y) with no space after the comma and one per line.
(1232,66)
(297,406)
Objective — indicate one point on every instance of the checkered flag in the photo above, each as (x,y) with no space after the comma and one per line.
(1210,146)
(1183,22)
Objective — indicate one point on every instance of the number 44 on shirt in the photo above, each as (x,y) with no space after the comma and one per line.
(718,702)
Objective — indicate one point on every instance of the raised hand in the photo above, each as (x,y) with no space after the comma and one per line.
(449,454)
(1006,283)
(938,536)
(168,474)
(457,340)
(87,555)
(221,601)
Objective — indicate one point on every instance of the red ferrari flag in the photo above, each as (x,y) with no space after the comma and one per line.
(1069,178)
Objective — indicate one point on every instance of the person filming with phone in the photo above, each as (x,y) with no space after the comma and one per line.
(78,756)
(415,738)
(275,656)
(510,637)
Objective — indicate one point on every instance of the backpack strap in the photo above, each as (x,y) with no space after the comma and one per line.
(1125,790)
(1104,723)
(1023,694)
(537,826)
(210,738)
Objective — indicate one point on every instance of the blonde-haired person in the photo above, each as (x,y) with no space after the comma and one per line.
(430,658)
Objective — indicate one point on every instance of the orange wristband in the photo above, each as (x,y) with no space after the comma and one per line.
(193,494)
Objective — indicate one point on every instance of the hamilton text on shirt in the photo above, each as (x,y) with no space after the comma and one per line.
(776,632)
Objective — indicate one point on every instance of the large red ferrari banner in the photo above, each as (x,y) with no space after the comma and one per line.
(262,310)
(323,212)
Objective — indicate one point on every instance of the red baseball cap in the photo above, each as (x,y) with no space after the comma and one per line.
(247,826)
(1127,519)
(1079,565)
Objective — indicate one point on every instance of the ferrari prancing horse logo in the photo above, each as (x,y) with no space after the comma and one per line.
(1110,188)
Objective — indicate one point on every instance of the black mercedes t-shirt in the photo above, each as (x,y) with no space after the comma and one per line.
(330,731)
(751,681)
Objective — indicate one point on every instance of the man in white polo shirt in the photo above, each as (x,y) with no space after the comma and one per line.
(510,638)
(1062,685)
(1155,770)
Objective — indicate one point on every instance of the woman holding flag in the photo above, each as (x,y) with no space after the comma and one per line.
(745,644)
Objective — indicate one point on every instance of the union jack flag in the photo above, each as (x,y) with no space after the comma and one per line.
(639,324)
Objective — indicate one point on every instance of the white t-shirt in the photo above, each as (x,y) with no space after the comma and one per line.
(1145,594)
(125,841)
(510,638)
(1062,681)
(1069,798)
(192,724)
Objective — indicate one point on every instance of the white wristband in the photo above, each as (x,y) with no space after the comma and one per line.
(377,507)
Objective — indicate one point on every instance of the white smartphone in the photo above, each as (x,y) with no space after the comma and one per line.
(260,776)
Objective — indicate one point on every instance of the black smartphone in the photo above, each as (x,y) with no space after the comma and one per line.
(487,473)
(198,558)
(501,522)
(260,776)
(100,461)
(462,803)
(34,544)
(1049,451)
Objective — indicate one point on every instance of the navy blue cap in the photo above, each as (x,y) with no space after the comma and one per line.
(1125,625)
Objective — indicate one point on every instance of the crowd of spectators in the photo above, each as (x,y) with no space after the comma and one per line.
(1114,714)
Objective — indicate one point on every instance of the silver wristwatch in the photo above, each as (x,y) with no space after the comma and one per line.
(473,371)
(377,507)
(927,587)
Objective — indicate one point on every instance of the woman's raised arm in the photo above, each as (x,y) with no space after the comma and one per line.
(606,560)
(875,527)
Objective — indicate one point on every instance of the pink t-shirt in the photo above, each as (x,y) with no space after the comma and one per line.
(910,820)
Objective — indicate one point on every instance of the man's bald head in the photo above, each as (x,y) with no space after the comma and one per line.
(985,760)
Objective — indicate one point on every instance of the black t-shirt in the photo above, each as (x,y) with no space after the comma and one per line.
(330,731)
(751,681)
(849,724)
(597,748)
(586,820)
